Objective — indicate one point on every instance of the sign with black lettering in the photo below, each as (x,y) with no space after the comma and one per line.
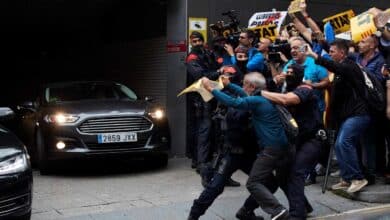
(267,18)
(340,22)
(268,31)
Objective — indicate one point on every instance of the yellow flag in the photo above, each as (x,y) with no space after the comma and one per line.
(198,87)
(362,26)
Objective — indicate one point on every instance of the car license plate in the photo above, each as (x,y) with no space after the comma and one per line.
(117,137)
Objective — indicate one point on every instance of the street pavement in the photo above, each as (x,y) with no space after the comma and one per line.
(134,190)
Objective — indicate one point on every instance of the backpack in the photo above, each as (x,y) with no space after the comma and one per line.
(289,124)
(374,94)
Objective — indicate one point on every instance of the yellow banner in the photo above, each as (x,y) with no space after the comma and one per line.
(295,6)
(340,22)
(362,26)
(268,31)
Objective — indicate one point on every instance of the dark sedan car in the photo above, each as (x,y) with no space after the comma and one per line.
(92,119)
(15,175)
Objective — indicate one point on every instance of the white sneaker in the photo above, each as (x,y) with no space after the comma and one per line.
(357,185)
(336,173)
(341,185)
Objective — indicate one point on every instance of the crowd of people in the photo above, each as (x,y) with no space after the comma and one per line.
(323,84)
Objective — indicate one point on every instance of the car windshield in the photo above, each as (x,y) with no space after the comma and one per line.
(88,91)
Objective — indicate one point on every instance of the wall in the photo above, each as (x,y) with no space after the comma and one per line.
(176,32)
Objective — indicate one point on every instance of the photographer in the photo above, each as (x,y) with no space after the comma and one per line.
(256,60)
(238,151)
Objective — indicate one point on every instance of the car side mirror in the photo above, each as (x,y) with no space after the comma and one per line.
(149,99)
(6,113)
(29,106)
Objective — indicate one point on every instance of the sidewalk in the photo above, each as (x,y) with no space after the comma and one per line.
(376,193)
(158,194)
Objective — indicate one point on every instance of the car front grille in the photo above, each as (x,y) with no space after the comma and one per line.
(115,124)
(14,203)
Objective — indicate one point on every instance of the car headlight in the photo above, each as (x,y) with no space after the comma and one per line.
(17,163)
(157,114)
(61,118)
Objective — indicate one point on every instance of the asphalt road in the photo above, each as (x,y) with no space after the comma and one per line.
(135,190)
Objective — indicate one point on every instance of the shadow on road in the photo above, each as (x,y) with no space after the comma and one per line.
(104,167)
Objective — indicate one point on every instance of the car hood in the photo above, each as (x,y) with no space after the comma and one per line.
(9,143)
(100,107)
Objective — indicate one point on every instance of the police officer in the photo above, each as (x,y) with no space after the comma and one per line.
(302,103)
(200,62)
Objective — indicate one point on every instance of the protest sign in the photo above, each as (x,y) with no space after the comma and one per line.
(198,87)
(340,22)
(267,19)
(362,26)
(268,31)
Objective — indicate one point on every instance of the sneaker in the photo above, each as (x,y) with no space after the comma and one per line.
(283,214)
(232,183)
(335,173)
(244,214)
(357,185)
(341,185)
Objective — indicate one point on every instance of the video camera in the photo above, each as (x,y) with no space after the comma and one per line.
(275,48)
(230,31)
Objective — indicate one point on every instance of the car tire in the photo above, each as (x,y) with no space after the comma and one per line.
(43,163)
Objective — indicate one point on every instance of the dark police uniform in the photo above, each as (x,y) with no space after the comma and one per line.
(200,63)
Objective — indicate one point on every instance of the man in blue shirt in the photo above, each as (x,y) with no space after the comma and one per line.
(270,136)
(314,75)
(256,60)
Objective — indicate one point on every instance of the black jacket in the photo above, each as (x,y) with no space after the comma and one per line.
(347,89)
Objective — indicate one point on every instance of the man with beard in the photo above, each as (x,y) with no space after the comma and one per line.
(302,103)
(200,62)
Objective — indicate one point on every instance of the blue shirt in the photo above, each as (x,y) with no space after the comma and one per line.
(374,65)
(256,61)
(315,73)
(265,117)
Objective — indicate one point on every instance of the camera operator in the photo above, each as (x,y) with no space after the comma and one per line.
(255,58)
(200,62)
(303,105)
(238,151)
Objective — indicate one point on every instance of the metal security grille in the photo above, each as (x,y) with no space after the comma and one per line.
(118,124)
(12,204)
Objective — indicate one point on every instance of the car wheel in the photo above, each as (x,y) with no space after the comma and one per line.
(43,163)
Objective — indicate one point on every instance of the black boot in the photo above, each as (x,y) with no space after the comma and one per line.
(190,217)
(232,183)
(244,214)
